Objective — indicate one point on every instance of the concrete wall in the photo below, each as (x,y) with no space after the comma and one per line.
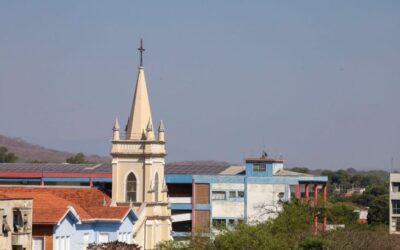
(394,194)
(263,201)
(22,237)
(231,207)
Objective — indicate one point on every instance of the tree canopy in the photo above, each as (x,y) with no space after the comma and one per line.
(7,157)
(79,158)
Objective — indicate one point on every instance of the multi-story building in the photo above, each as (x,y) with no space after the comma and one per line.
(199,195)
(15,223)
(394,204)
(203,198)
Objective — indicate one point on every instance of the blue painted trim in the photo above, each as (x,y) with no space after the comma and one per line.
(181,206)
(275,179)
(188,206)
(53,179)
(203,207)
(19,179)
(218,178)
(313,178)
(272,180)
(178,178)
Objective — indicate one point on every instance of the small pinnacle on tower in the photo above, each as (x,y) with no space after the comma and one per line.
(149,130)
(116,124)
(149,126)
(161,127)
(116,130)
(161,130)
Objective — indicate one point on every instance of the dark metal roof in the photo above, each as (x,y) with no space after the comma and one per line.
(202,169)
(56,167)
(194,169)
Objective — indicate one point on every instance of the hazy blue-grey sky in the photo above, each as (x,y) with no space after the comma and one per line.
(315,81)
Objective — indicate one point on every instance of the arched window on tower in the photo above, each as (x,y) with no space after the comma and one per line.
(156,187)
(130,188)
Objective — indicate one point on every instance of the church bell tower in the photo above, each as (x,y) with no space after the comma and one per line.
(138,159)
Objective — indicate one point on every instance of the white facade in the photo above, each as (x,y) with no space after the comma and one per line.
(394,204)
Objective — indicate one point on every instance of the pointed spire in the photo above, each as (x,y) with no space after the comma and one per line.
(140,111)
(116,130)
(149,130)
(116,125)
(161,127)
(149,126)
(161,132)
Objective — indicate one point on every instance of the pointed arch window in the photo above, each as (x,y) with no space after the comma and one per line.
(156,187)
(131,188)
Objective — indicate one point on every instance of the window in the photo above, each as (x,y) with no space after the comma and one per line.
(156,187)
(240,194)
(397,224)
(67,243)
(396,206)
(259,167)
(395,187)
(37,243)
(218,195)
(62,243)
(17,221)
(129,238)
(281,195)
(103,237)
(124,237)
(231,222)
(86,239)
(232,194)
(130,188)
(219,223)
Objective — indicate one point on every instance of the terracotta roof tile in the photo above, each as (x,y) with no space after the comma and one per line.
(50,204)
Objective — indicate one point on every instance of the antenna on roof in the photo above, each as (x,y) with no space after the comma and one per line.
(264,154)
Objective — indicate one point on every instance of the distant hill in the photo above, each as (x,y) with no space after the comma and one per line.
(28,152)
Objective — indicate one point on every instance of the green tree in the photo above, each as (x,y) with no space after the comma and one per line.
(379,210)
(314,243)
(342,213)
(284,232)
(6,156)
(79,158)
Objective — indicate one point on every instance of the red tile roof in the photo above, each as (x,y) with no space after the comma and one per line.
(50,204)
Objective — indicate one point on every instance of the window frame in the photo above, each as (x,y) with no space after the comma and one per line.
(259,167)
(215,194)
(133,183)
(396,206)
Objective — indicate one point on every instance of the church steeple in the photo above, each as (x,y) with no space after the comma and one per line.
(138,161)
(140,114)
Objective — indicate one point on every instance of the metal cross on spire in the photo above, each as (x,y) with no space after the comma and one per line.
(141,49)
